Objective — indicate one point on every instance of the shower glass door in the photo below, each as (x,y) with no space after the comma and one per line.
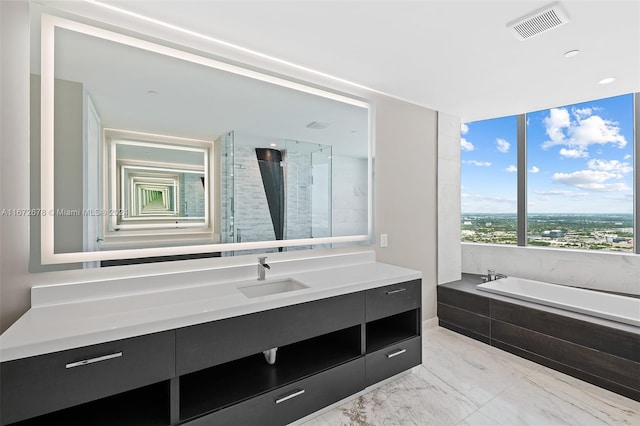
(227,199)
(321,193)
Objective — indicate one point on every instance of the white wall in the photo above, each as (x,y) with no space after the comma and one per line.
(449,256)
(601,271)
(70,228)
(405,165)
(14,158)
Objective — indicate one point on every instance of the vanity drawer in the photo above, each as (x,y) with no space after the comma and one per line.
(45,383)
(393,360)
(206,345)
(393,299)
(291,402)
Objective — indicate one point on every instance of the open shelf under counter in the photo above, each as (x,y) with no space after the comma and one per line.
(391,330)
(146,406)
(226,384)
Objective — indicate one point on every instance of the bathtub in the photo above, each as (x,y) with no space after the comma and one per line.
(598,304)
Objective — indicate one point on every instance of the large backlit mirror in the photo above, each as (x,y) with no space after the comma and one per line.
(147,150)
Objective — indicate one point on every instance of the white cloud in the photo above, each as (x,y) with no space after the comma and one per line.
(502,145)
(464,128)
(627,157)
(606,187)
(465,145)
(534,170)
(596,130)
(574,153)
(477,163)
(479,203)
(593,180)
(511,169)
(582,112)
(579,133)
(613,166)
(558,120)
(562,193)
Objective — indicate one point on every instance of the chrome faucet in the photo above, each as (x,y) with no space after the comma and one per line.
(262,268)
(492,276)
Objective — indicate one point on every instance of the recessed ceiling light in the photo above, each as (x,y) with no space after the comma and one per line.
(571,53)
(607,80)
(273,144)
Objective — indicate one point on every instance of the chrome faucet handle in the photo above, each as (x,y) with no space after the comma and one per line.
(262,267)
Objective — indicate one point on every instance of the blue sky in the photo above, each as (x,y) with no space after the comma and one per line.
(580,160)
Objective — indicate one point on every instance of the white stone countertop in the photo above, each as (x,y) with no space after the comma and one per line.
(70,323)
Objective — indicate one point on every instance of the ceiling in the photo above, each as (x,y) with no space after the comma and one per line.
(453,56)
(141,90)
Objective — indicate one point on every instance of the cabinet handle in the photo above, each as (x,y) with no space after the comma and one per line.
(399,290)
(92,360)
(291,395)
(396,353)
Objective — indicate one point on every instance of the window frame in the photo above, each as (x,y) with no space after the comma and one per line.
(522,210)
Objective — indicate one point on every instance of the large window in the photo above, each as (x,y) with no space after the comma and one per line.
(578,173)
(489,181)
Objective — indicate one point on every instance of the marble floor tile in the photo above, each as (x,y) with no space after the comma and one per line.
(542,400)
(465,382)
(476,369)
(410,400)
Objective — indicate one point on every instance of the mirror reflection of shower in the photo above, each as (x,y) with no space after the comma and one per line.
(280,190)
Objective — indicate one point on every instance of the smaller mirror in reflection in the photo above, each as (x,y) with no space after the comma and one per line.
(156,182)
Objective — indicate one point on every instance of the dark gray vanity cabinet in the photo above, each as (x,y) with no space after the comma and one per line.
(293,401)
(42,384)
(205,345)
(393,330)
(214,373)
(224,378)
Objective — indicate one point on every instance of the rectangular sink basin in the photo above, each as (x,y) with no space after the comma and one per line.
(267,288)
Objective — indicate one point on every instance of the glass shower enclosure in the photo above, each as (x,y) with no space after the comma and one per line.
(300,174)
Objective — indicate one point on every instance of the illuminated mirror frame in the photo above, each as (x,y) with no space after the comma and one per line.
(48,256)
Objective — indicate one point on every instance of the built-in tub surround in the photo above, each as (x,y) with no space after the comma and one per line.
(603,352)
(599,304)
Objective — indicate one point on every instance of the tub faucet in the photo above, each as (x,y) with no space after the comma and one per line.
(492,276)
(262,268)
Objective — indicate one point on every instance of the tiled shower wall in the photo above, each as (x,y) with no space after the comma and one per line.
(252,221)
(252,218)
(349,196)
(192,194)
(298,193)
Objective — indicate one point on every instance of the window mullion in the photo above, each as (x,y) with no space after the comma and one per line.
(522,180)
(636,174)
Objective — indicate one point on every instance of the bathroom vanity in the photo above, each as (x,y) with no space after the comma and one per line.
(194,356)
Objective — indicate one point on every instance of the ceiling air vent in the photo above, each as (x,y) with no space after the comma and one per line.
(318,125)
(539,22)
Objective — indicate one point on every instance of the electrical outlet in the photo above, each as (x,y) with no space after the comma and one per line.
(384,240)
